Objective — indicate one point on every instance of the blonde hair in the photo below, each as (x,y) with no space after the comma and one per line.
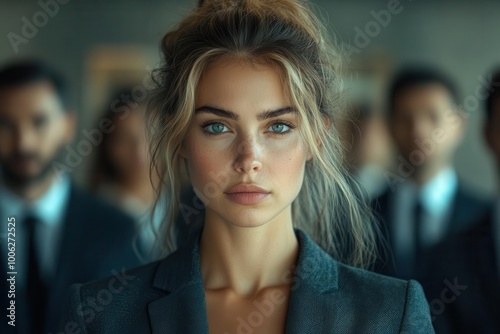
(286,33)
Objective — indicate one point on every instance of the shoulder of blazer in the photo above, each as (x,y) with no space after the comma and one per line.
(96,306)
(387,303)
(136,283)
(329,274)
(366,302)
(151,277)
(375,287)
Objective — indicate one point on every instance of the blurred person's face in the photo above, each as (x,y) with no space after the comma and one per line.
(425,126)
(127,146)
(33,131)
(368,142)
(251,147)
(492,130)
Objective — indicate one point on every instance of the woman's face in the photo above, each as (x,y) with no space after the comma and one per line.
(127,147)
(244,153)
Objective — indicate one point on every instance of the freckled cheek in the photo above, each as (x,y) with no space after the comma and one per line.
(290,164)
(206,164)
(287,163)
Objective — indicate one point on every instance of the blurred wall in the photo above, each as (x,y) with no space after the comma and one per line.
(461,37)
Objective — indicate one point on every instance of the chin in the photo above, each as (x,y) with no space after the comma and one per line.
(246,218)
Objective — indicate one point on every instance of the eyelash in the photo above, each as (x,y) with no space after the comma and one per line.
(290,126)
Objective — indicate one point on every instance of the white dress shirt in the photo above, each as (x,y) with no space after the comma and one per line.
(436,197)
(50,209)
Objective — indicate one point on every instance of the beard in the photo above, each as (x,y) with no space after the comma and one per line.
(21,181)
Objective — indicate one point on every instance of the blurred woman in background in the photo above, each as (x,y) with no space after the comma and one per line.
(120,170)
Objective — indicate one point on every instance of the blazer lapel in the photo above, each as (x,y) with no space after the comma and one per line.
(314,281)
(183,309)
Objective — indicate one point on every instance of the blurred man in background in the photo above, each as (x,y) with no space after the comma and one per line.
(425,200)
(470,260)
(62,234)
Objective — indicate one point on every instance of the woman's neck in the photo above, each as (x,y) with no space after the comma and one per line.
(247,259)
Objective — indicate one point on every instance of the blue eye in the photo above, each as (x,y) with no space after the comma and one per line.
(215,128)
(279,128)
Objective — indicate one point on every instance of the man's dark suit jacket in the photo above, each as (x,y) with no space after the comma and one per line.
(466,209)
(96,239)
(468,261)
(326,296)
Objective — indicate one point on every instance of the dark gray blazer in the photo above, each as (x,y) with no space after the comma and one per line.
(96,239)
(326,296)
(464,269)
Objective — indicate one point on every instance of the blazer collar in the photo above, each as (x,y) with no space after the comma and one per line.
(183,309)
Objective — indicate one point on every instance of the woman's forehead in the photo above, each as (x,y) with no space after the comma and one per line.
(241,85)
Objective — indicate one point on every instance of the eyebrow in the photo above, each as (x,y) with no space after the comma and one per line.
(260,117)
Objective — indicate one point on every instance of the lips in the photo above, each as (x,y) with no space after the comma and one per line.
(247,188)
(247,194)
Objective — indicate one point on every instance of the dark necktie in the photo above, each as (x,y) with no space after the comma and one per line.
(417,234)
(36,289)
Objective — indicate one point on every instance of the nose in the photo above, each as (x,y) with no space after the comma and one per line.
(25,139)
(421,129)
(248,157)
